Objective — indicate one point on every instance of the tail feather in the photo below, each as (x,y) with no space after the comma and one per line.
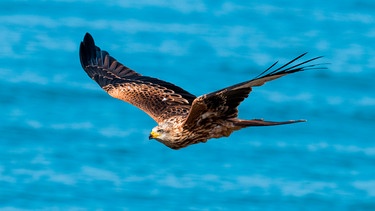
(260,122)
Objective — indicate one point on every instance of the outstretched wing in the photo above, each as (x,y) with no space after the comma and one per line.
(157,98)
(223,103)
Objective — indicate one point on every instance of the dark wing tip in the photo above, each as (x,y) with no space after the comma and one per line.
(87,51)
(96,61)
(286,68)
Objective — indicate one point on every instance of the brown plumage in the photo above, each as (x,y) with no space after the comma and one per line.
(183,119)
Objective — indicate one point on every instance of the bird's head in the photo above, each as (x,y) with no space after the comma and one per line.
(160,133)
(165,134)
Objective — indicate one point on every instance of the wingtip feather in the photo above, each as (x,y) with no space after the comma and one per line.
(87,51)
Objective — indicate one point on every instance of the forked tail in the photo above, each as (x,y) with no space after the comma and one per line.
(259,122)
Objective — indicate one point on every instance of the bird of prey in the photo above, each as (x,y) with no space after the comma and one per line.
(183,119)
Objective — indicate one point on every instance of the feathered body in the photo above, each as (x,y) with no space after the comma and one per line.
(183,119)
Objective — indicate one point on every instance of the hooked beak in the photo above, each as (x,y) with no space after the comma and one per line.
(153,135)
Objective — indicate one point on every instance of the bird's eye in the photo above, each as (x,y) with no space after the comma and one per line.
(160,131)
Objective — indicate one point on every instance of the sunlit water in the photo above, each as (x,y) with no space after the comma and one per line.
(65,144)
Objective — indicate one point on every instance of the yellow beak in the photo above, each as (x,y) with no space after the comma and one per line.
(153,135)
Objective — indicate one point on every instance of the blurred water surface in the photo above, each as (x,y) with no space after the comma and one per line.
(67,145)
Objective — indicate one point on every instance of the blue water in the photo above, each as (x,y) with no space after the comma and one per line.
(66,145)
